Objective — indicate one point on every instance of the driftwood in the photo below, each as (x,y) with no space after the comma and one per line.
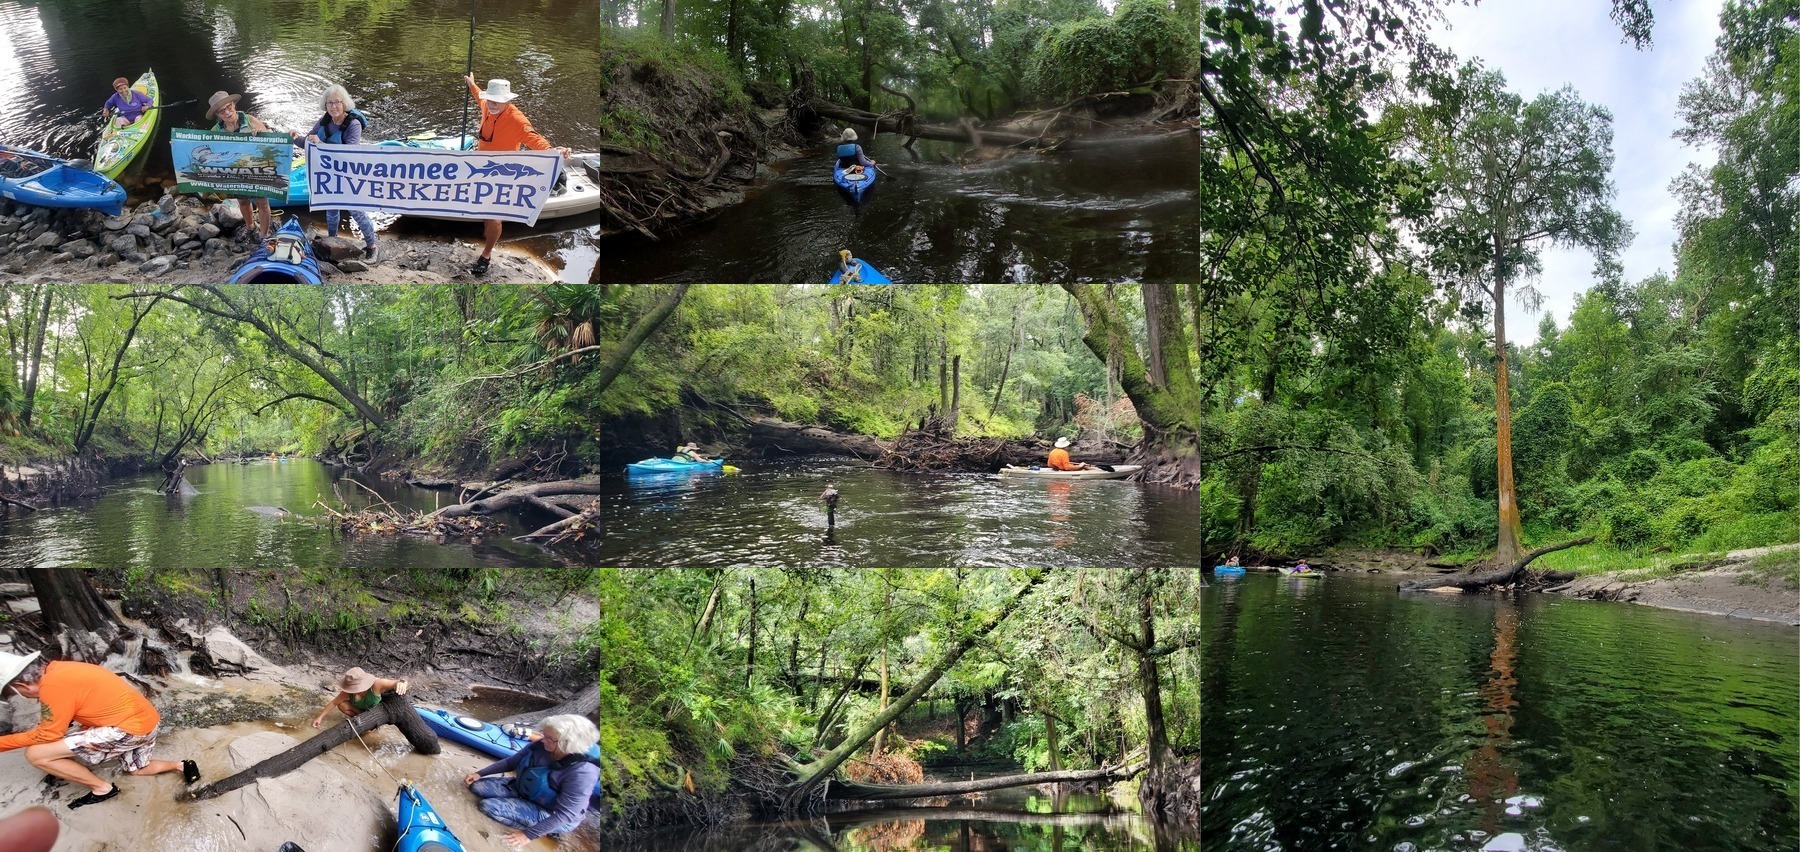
(808,440)
(467,519)
(395,710)
(876,792)
(524,495)
(584,703)
(13,501)
(897,124)
(1478,579)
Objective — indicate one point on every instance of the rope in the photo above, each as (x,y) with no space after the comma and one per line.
(372,759)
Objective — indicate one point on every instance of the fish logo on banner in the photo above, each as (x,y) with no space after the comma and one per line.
(243,165)
(506,185)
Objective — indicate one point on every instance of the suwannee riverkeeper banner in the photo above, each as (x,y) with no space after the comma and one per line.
(510,186)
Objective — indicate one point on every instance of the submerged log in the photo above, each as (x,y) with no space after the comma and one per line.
(1481,579)
(876,792)
(394,710)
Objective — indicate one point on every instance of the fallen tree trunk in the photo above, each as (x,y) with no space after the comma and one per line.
(878,792)
(1482,579)
(584,703)
(395,710)
(895,124)
(524,495)
(800,439)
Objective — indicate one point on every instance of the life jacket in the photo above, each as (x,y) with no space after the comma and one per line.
(533,783)
(847,154)
(334,134)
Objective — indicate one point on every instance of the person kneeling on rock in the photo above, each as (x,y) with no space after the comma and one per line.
(115,721)
(358,691)
(553,778)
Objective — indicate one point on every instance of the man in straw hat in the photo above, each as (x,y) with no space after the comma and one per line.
(503,128)
(115,721)
(1059,458)
(223,106)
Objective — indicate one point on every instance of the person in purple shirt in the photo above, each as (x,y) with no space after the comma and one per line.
(343,124)
(126,105)
(553,779)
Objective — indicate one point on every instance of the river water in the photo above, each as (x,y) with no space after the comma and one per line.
(131,525)
(770,515)
(1125,209)
(1342,715)
(402,60)
(1005,820)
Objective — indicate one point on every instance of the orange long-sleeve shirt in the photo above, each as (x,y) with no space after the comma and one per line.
(89,694)
(506,131)
(1059,459)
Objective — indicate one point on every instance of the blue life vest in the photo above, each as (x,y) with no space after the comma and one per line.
(533,783)
(334,133)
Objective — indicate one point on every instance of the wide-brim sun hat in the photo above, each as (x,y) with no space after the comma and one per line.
(499,91)
(219,99)
(12,664)
(356,680)
(849,134)
(1062,442)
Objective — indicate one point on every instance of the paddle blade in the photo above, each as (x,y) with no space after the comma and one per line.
(1106,467)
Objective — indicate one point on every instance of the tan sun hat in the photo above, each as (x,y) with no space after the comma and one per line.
(1062,442)
(499,91)
(356,680)
(220,99)
(12,664)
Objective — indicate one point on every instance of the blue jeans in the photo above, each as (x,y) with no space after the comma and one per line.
(363,223)
(502,804)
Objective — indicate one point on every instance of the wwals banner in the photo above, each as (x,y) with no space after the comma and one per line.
(253,165)
(510,186)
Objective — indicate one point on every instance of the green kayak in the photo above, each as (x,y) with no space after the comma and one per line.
(120,145)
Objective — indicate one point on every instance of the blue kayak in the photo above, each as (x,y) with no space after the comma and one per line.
(421,829)
(674,466)
(45,181)
(286,258)
(1228,571)
(856,185)
(866,273)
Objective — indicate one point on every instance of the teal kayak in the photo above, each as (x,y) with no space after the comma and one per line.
(421,829)
(674,466)
(1228,571)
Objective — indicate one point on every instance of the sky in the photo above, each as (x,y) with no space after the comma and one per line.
(1542,45)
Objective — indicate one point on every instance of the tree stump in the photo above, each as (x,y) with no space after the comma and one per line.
(395,710)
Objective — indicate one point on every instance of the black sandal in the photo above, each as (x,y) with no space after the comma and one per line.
(190,771)
(480,267)
(94,798)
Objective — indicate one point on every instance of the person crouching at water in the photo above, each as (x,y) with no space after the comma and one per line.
(552,781)
(1059,458)
(343,124)
(359,691)
(503,128)
(115,721)
(850,156)
(126,105)
(223,106)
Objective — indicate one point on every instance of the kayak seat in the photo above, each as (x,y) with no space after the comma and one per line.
(471,723)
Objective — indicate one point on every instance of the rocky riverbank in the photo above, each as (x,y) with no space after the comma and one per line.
(182,239)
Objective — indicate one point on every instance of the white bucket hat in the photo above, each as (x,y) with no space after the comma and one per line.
(1062,442)
(12,664)
(499,91)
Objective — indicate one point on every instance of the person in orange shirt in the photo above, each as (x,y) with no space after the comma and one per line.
(116,721)
(503,128)
(1059,458)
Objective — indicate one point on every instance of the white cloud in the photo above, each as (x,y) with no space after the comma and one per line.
(1542,45)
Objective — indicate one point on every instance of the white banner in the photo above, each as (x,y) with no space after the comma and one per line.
(510,186)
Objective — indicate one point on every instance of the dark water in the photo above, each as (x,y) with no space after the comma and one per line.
(1341,715)
(1125,210)
(132,525)
(1005,820)
(402,60)
(770,515)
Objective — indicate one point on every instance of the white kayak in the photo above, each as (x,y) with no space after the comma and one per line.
(580,193)
(1119,471)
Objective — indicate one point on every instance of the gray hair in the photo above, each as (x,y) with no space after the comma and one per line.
(34,672)
(343,95)
(575,733)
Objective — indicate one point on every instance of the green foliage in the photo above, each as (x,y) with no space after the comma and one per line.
(1144,40)
(1629,527)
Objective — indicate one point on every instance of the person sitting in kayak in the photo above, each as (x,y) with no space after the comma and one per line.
(1232,562)
(359,691)
(552,781)
(126,105)
(1301,567)
(690,452)
(1059,458)
(850,156)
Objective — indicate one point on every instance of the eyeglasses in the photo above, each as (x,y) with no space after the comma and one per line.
(334,101)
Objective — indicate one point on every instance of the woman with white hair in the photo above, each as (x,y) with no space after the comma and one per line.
(343,124)
(552,781)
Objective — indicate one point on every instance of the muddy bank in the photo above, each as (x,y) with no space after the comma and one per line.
(181,239)
(49,482)
(1756,584)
